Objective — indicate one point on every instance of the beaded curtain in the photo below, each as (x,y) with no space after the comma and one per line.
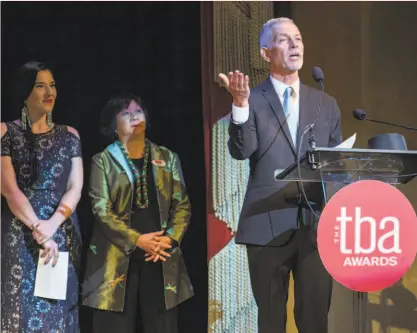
(232,308)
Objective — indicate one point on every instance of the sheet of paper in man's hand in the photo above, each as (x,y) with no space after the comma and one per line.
(348,143)
(51,282)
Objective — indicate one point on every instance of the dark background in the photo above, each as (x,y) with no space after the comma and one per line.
(99,49)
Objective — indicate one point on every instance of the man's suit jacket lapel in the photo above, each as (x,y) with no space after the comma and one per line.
(308,114)
(272,97)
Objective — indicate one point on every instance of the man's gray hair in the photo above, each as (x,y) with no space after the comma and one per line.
(265,35)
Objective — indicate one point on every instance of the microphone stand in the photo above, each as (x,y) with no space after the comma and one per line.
(386,123)
(310,129)
(311,152)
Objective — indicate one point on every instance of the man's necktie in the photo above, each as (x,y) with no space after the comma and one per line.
(289,114)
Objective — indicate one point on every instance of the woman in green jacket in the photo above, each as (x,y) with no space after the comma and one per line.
(135,274)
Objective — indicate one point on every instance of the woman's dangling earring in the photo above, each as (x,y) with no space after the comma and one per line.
(49,120)
(24,118)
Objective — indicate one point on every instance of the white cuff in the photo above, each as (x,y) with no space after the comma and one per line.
(240,115)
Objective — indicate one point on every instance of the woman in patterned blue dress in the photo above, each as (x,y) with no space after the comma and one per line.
(41,180)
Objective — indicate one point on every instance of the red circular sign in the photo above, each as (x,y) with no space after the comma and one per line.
(367,235)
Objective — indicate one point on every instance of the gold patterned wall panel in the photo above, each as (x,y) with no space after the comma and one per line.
(236,38)
(236,27)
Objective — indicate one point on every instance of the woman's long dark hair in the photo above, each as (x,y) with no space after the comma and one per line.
(25,81)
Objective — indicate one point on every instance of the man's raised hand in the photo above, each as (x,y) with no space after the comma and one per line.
(237,84)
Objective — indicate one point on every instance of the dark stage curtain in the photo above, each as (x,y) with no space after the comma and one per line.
(98,49)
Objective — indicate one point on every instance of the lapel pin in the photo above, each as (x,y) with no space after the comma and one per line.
(159,163)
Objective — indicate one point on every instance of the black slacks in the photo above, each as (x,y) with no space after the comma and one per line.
(270,268)
(144,310)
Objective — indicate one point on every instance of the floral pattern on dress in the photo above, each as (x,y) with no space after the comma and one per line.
(21,310)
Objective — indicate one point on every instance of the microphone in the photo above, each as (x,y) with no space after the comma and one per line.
(361,115)
(318,76)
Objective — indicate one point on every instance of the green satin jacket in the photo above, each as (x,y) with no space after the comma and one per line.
(111,193)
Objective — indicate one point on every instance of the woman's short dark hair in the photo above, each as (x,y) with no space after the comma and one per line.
(25,81)
(116,104)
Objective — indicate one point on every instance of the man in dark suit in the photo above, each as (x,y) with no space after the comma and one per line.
(267,123)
